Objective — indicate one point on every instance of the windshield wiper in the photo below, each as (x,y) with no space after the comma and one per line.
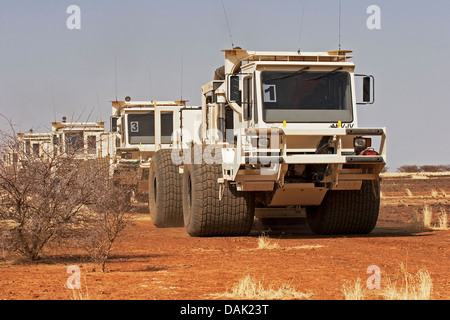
(325,75)
(290,75)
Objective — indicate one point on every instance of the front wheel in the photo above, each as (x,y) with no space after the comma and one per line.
(347,211)
(205,214)
(165,193)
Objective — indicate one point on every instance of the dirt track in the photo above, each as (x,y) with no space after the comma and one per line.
(167,264)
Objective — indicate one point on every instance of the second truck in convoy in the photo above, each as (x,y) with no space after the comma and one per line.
(142,128)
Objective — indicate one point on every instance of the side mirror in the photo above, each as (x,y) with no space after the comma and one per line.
(113,124)
(247,103)
(368,89)
(55,140)
(235,93)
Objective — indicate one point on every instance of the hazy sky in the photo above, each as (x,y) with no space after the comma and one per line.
(168,49)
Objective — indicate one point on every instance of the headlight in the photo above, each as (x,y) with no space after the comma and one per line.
(127,155)
(362,142)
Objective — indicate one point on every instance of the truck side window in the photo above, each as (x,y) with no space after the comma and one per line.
(92,144)
(166,127)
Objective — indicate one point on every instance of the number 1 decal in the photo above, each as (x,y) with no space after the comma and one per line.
(270,92)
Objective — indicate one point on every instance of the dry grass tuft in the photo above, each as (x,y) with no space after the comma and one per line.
(417,286)
(250,289)
(416,222)
(354,291)
(408,192)
(423,221)
(408,286)
(427,216)
(434,193)
(264,242)
(80,293)
(443,221)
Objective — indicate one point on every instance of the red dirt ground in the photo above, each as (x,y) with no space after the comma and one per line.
(167,264)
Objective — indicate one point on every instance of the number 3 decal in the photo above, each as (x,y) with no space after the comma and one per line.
(270,92)
(134,126)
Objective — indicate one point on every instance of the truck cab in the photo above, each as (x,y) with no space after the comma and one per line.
(141,128)
(84,140)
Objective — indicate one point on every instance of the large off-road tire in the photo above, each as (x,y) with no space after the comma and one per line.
(204,213)
(347,211)
(165,191)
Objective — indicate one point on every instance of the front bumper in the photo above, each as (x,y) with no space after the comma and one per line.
(257,169)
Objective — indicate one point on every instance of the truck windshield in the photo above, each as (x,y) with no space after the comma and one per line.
(141,128)
(74,142)
(306,96)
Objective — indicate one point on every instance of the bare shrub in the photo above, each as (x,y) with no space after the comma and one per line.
(425,168)
(41,194)
(409,169)
(48,197)
(434,168)
(106,219)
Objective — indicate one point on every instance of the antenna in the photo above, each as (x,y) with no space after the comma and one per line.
(54,105)
(339,25)
(301,26)
(228,25)
(115,74)
(181,80)
(150,83)
(98,106)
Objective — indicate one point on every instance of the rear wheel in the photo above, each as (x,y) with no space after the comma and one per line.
(206,215)
(347,211)
(165,193)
